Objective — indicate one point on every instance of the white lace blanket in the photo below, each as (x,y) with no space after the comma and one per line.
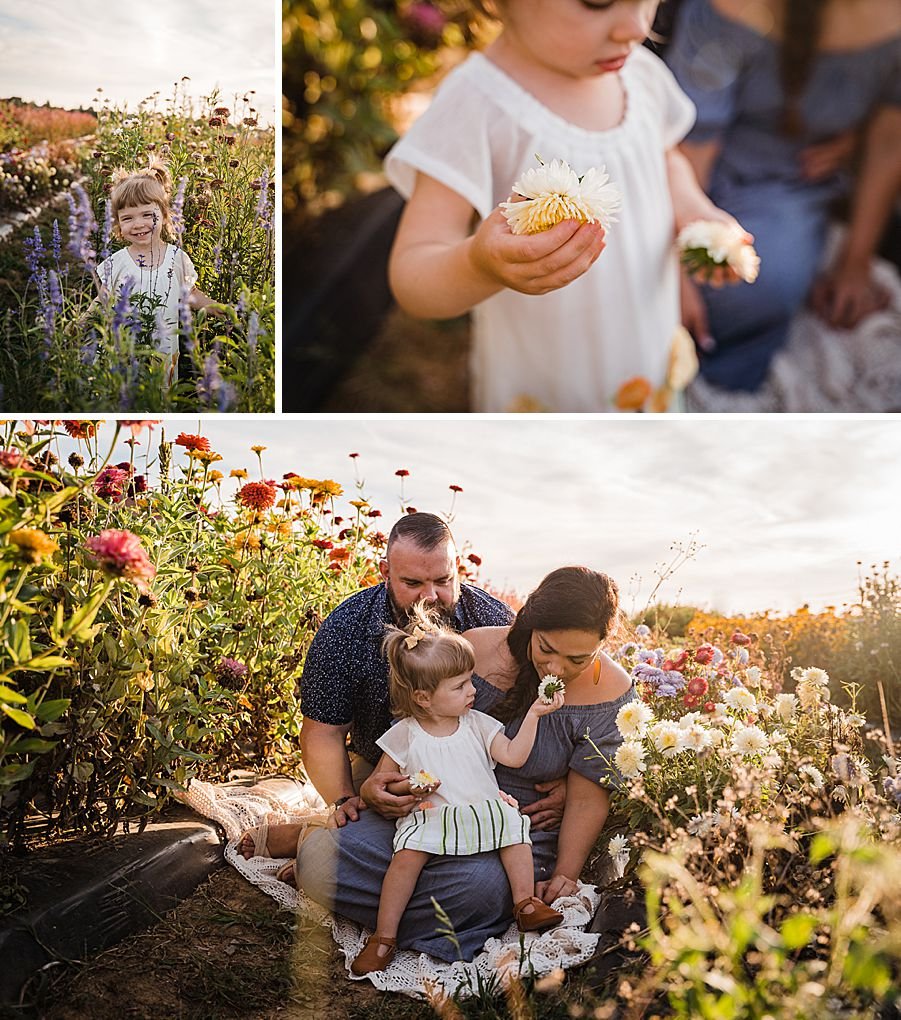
(414,974)
(823,369)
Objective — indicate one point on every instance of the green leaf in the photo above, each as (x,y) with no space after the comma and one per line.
(797,930)
(17,715)
(48,711)
(34,744)
(45,662)
(821,846)
(8,694)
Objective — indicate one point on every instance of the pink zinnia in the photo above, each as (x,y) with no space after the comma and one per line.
(110,483)
(257,495)
(120,554)
(10,459)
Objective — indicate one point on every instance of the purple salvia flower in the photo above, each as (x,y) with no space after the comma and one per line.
(107,229)
(56,242)
(262,214)
(253,332)
(122,310)
(178,205)
(82,225)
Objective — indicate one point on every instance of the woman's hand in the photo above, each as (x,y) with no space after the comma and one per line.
(823,159)
(847,294)
(375,794)
(555,886)
(547,812)
(534,263)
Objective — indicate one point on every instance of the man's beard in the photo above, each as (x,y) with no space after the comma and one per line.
(440,613)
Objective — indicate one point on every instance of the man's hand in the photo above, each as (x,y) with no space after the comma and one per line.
(557,885)
(374,792)
(349,811)
(547,812)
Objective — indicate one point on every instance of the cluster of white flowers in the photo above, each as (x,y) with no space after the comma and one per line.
(709,243)
(811,686)
(554,192)
(702,825)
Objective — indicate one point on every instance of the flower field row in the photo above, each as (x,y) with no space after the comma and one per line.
(68,350)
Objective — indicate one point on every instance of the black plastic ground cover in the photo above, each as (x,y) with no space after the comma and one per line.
(334,295)
(81,903)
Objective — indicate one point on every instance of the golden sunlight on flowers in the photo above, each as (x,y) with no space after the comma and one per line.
(708,244)
(526,404)
(33,546)
(554,192)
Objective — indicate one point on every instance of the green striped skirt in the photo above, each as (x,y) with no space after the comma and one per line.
(462,829)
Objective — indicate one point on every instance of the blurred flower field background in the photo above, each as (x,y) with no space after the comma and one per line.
(154,618)
(63,350)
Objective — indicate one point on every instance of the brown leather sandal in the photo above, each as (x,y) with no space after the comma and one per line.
(369,959)
(540,918)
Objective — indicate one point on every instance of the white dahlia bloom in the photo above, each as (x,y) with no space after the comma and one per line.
(633,718)
(785,704)
(749,740)
(709,243)
(740,698)
(554,192)
(667,737)
(696,738)
(629,758)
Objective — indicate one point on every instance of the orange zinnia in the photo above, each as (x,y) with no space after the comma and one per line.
(191,442)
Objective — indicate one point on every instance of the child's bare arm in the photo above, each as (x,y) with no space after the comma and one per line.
(440,269)
(197,300)
(515,752)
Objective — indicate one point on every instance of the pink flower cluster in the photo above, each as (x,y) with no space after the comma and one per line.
(120,554)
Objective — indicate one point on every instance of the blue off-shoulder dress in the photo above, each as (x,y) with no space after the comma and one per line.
(731,72)
(342,869)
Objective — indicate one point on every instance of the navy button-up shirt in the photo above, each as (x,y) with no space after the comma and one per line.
(345,676)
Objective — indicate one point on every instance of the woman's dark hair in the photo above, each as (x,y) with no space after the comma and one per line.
(570,598)
(802,22)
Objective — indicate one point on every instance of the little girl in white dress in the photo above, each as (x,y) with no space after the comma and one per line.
(449,752)
(148,265)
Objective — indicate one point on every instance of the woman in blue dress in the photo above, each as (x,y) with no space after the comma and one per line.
(785,89)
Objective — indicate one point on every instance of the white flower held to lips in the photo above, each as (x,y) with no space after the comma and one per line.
(554,192)
(706,244)
(548,687)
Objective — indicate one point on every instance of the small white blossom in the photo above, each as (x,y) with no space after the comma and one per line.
(696,738)
(785,706)
(629,758)
(814,775)
(667,738)
(554,192)
(754,675)
(617,845)
(749,740)
(740,698)
(700,825)
(548,687)
(709,243)
(633,718)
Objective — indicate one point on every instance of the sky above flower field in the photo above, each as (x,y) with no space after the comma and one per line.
(61,50)
(783,508)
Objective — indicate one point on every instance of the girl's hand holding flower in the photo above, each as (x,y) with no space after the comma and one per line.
(718,251)
(541,707)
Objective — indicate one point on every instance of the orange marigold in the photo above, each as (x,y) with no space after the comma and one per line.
(191,442)
(257,495)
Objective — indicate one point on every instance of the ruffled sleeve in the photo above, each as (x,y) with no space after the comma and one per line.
(707,56)
(670,106)
(451,143)
(486,727)
(186,269)
(395,742)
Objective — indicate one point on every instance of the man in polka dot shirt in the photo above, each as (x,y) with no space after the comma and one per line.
(344,689)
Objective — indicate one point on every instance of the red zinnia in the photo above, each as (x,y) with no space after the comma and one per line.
(697,686)
(402,473)
(740,639)
(455,488)
(120,554)
(704,654)
(80,429)
(476,561)
(191,442)
(323,543)
(257,495)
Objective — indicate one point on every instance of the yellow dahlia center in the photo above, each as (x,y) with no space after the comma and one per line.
(550,209)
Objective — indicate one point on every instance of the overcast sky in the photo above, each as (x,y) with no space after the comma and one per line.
(62,50)
(783,507)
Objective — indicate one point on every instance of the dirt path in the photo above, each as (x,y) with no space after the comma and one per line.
(226,952)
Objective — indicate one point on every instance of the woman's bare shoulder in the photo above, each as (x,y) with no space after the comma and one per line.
(486,637)
(493,659)
(762,16)
(613,679)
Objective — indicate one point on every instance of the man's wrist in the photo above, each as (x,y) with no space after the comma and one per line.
(343,800)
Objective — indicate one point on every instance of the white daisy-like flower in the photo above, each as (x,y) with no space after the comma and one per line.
(422,780)
(700,825)
(705,244)
(554,192)
(719,713)
(855,719)
(740,698)
(749,740)
(696,738)
(667,738)
(814,775)
(754,675)
(633,718)
(629,758)
(715,737)
(548,687)
(688,720)
(785,705)
(617,845)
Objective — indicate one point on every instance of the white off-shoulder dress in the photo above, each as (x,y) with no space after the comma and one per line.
(571,349)
(468,815)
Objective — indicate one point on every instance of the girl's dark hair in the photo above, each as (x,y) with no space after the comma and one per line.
(802,23)
(438,653)
(570,598)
